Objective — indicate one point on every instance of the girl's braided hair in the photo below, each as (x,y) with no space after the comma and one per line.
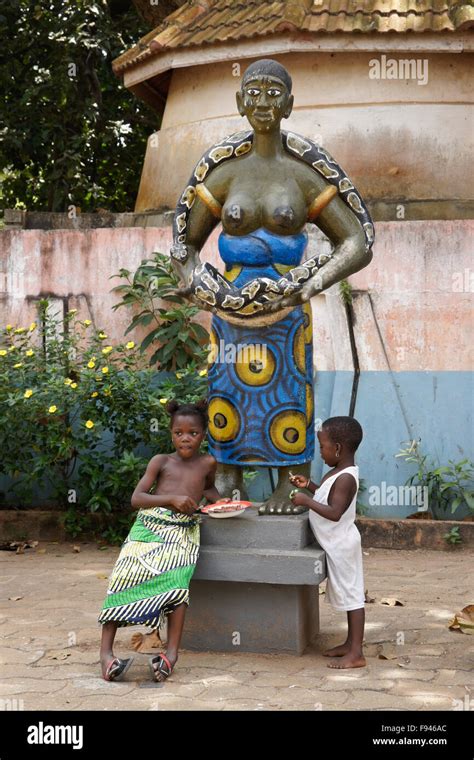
(197,409)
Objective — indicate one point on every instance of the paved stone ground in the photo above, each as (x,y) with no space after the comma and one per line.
(49,642)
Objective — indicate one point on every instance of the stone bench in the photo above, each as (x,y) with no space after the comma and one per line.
(256,585)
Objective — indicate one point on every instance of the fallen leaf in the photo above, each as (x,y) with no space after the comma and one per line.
(146,642)
(463,622)
(21,549)
(321,591)
(366,554)
(369,599)
(15,598)
(388,652)
(76,548)
(391,601)
(101,576)
(41,551)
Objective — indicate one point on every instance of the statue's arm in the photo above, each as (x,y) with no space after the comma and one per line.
(201,222)
(350,253)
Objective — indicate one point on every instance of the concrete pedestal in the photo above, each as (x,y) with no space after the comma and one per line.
(255,588)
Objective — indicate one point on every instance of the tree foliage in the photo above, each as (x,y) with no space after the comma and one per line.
(71,133)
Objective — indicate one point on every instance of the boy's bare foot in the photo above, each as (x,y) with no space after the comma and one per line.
(349,661)
(339,651)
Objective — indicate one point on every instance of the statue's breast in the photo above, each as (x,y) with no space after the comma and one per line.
(277,207)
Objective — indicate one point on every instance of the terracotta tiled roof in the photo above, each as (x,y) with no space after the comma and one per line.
(212,21)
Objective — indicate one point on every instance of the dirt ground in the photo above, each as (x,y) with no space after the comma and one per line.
(49,638)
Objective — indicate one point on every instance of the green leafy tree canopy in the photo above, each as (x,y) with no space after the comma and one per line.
(71,134)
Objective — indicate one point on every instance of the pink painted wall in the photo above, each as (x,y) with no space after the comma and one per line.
(415,312)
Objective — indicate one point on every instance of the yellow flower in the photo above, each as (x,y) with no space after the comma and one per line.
(52,409)
(73,385)
(93,395)
(179,375)
(72,311)
(203,372)
(163,400)
(107,350)
(32,326)
(16,366)
(8,328)
(19,330)
(105,370)
(91,364)
(30,352)
(28,393)
(102,335)
(68,381)
(3,352)
(87,322)
(130,344)
(89,424)
(12,348)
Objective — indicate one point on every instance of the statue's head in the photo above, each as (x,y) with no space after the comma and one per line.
(265,95)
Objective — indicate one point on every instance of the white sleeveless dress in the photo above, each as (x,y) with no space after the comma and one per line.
(342,544)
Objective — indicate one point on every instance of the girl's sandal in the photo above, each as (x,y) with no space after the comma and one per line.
(164,669)
(117,668)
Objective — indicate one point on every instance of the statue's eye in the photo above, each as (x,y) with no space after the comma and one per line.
(274,92)
(253,91)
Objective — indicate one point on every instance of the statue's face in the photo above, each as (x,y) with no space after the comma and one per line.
(265,101)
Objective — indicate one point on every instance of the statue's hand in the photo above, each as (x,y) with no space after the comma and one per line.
(183,259)
(284,302)
(312,288)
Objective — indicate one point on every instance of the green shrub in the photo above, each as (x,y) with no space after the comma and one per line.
(81,417)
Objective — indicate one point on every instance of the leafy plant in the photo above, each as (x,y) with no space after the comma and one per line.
(345,292)
(453,537)
(448,487)
(180,338)
(80,417)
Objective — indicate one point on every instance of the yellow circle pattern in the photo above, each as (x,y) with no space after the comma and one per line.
(308,316)
(213,348)
(255,364)
(309,403)
(299,353)
(224,420)
(288,432)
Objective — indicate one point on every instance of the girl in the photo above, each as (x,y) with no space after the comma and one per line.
(156,563)
(332,515)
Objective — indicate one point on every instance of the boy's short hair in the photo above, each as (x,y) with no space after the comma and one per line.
(198,409)
(344,430)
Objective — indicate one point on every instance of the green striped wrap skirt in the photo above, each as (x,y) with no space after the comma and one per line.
(154,568)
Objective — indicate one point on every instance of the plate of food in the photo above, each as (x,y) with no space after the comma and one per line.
(223,508)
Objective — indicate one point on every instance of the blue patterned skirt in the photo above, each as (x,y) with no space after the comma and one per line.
(261,379)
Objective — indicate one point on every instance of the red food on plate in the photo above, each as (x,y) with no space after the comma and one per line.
(226,506)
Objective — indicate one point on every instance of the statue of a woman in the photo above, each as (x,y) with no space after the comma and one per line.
(264,185)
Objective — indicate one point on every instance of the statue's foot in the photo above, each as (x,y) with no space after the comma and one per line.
(279,503)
